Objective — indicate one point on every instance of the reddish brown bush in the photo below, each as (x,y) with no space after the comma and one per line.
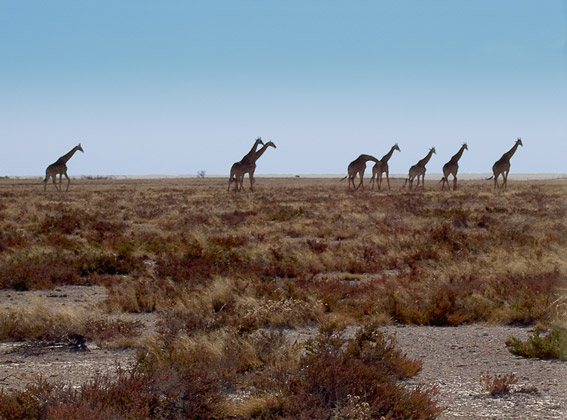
(368,366)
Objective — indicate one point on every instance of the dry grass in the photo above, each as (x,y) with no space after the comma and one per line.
(36,321)
(295,249)
(222,269)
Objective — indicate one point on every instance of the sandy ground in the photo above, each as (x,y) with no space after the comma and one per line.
(21,363)
(453,360)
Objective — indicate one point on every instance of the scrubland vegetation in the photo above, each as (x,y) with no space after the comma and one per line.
(230,274)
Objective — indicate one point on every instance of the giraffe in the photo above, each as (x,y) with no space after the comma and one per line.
(248,167)
(246,159)
(418,170)
(377,173)
(451,168)
(502,165)
(357,167)
(60,168)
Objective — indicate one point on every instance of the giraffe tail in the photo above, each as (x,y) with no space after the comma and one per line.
(442,179)
(342,179)
(488,179)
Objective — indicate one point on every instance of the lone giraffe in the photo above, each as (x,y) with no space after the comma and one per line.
(451,168)
(502,165)
(418,170)
(379,169)
(245,160)
(60,168)
(357,167)
(249,166)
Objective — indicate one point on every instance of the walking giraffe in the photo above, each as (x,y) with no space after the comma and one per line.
(502,165)
(379,169)
(418,170)
(249,166)
(245,160)
(451,168)
(60,168)
(357,167)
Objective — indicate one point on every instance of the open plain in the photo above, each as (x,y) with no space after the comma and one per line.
(244,294)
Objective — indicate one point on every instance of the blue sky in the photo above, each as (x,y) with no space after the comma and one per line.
(174,87)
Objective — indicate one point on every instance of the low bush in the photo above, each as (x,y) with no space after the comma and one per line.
(39,271)
(368,366)
(551,346)
(39,322)
(498,384)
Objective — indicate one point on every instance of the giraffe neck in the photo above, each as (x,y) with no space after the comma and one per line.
(366,158)
(251,154)
(458,155)
(387,156)
(65,158)
(508,155)
(424,161)
(260,153)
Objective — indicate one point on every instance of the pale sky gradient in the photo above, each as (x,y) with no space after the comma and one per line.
(174,87)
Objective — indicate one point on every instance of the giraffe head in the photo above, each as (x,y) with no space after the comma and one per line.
(79,147)
(432,150)
(396,147)
(519,142)
(465,147)
(270,143)
(259,141)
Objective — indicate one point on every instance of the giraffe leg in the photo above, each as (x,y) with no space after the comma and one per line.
(505,181)
(454,182)
(68,182)
(360,184)
(240,183)
(351,180)
(54,179)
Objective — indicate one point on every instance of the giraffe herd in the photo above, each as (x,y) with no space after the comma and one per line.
(247,165)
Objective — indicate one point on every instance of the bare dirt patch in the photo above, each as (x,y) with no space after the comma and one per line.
(454,358)
(22,363)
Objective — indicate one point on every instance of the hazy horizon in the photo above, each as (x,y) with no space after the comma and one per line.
(428,176)
(178,87)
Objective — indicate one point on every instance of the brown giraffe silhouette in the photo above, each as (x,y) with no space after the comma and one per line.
(418,170)
(502,165)
(60,168)
(357,167)
(248,167)
(245,160)
(379,169)
(451,168)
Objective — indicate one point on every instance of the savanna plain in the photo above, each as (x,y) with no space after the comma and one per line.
(276,304)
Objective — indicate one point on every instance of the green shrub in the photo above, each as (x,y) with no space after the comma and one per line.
(551,346)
